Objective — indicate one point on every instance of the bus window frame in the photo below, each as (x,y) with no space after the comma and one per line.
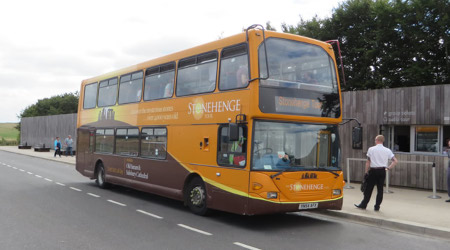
(245,134)
(117,91)
(96,95)
(114,141)
(131,79)
(196,63)
(166,147)
(159,67)
(138,137)
(335,87)
(220,65)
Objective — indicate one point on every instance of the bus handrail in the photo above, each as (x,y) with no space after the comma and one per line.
(265,50)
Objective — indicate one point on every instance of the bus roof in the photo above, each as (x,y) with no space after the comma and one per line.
(221,43)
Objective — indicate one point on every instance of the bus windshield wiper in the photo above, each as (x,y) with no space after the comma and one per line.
(282,171)
(328,170)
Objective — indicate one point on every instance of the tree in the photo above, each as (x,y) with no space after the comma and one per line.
(387,44)
(55,105)
(270,27)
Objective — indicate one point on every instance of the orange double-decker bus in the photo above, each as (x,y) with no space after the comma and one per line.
(246,124)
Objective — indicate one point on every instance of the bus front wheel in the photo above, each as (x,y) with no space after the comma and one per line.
(196,196)
(100,176)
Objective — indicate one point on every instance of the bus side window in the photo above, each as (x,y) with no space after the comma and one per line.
(159,82)
(232,153)
(234,68)
(104,141)
(154,143)
(130,88)
(197,74)
(107,92)
(90,96)
(127,141)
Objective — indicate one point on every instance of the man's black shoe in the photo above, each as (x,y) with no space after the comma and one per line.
(360,207)
(376,209)
(447,200)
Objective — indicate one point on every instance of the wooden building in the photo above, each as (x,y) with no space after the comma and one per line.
(416,124)
(39,130)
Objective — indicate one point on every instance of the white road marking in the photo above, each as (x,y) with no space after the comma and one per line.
(38,176)
(21,170)
(48,180)
(29,173)
(60,184)
(117,203)
(9,166)
(150,214)
(76,189)
(246,246)
(194,229)
(93,195)
(14,167)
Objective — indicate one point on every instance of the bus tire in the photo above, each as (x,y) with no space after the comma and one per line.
(100,176)
(196,196)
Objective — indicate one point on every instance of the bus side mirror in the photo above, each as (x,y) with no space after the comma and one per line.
(233,132)
(357,137)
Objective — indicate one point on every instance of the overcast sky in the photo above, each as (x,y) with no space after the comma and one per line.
(48,47)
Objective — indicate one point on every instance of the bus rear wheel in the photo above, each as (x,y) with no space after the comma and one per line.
(100,176)
(196,196)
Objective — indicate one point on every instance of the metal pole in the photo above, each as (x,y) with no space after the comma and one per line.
(387,191)
(347,185)
(434,196)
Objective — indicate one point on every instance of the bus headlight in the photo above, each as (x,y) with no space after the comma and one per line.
(336,192)
(272,195)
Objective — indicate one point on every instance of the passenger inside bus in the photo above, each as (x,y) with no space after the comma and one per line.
(168,90)
(237,147)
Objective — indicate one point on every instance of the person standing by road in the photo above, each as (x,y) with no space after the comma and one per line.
(69,143)
(376,166)
(57,147)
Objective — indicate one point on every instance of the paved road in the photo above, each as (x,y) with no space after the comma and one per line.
(48,205)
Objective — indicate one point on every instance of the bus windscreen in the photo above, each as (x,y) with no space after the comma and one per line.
(300,79)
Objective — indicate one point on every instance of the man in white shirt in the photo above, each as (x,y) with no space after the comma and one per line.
(376,166)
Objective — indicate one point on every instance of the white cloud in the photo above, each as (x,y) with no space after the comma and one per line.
(48,47)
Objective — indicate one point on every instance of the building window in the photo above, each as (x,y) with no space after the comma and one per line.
(427,139)
(402,139)
(104,141)
(232,153)
(446,136)
(127,141)
(159,82)
(415,139)
(234,68)
(154,143)
(197,74)
(107,92)
(90,96)
(130,89)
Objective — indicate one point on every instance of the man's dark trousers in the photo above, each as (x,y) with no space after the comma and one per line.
(376,177)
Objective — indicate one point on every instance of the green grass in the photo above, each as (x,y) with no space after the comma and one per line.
(8,133)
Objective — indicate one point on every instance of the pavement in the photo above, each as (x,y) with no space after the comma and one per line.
(406,210)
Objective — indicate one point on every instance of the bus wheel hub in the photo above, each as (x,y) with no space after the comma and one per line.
(197,196)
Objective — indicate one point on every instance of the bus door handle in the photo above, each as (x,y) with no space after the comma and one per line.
(218,174)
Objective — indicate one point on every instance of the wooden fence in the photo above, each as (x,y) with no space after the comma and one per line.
(44,129)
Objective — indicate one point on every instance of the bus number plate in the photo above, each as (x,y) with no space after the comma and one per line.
(308,206)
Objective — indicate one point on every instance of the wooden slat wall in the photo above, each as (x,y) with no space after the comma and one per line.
(425,105)
(44,129)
